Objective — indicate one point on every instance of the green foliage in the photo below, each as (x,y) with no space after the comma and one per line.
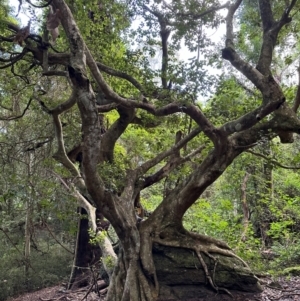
(230,94)
(48,267)
(250,251)
(125,36)
(97,238)
(112,175)
(294,271)
(214,219)
(287,254)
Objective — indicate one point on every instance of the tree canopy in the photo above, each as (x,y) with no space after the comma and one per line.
(133,109)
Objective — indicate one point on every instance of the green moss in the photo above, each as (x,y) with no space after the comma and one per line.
(295,271)
(109,262)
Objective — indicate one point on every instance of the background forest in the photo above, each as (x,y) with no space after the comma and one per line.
(254,205)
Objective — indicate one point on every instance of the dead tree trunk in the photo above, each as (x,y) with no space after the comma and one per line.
(86,254)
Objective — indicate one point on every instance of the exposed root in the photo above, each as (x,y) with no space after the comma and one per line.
(205,244)
(204,266)
(216,260)
(147,261)
(207,274)
(199,244)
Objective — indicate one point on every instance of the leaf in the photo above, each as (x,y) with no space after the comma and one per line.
(288,60)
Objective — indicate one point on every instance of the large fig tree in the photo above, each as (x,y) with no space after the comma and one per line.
(94,79)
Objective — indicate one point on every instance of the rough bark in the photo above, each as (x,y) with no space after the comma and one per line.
(137,274)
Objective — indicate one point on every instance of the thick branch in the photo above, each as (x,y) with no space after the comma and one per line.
(82,202)
(164,34)
(214,134)
(107,108)
(266,14)
(229,53)
(146,123)
(61,155)
(184,195)
(105,88)
(285,18)
(111,136)
(229,23)
(270,33)
(54,72)
(120,74)
(86,101)
(65,106)
(174,206)
(297,98)
(270,129)
(290,7)
(250,119)
(104,243)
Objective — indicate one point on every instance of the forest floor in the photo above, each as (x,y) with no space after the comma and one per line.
(283,289)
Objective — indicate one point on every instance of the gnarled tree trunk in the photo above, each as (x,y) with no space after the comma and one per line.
(135,277)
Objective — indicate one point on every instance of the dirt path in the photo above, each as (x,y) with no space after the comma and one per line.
(279,290)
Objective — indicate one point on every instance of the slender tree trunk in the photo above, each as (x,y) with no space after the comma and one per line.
(266,197)
(245,208)
(27,243)
(28,224)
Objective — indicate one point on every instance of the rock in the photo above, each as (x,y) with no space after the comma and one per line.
(181,275)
